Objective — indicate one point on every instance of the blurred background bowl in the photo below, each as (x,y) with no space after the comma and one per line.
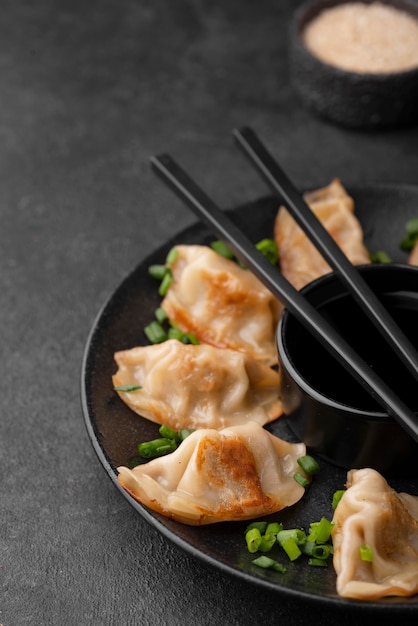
(355,99)
(325,406)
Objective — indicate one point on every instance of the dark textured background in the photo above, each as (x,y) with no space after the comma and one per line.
(88,91)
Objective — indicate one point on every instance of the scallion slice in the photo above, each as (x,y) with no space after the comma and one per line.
(253,539)
(336,497)
(268,248)
(221,248)
(366,553)
(411,236)
(309,465)
(155,332)
(266,562)
(321,531)
(127,388)
(168,432)
(172,256)
(160,315)
(165,283)
(157,271)
(156,447)
(301,479)
(380,256)
(317,562)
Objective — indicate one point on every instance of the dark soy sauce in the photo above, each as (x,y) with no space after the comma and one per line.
(331,379)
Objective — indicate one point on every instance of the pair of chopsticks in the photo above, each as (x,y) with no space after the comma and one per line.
(207,211)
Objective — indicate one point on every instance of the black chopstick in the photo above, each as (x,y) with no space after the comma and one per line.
(188,191)
(325,244)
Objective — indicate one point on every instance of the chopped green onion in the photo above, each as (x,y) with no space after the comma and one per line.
(294,533)
(337,497)
(185,432)
(175,333)
(411,236)
(192,339)
(156,447)
(157,271)
(172,256)
(266,562)
(321,551)
(273,528)
(267,542)
(321,531)
(160,315)
(380,257)
(302,480)
(268,248)
(309,465)
(127,388)
(221,248)
(253,539)
(366,553)
(260,525)
(168,432)
(155,332)
(291,548)
(317,562)
(165,283)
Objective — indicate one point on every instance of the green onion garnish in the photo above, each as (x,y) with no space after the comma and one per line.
(411,235)
(155,332)
(380,257)
(157,271)
(184,433)
(127,388)
(302,480)
(321,531)
(253,539)
(316,551)
(260,525)
(337,497)
(221,248)
(165,283)
(266,562)
(366,553)
(169,441)
(172,256)
(160,315)
(317,562)
(268,248)
(309,465)
(168,432)
(156,447)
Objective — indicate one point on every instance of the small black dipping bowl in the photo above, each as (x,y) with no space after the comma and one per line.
(351,99)
(325,406)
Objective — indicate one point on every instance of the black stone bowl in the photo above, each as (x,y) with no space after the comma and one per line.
(324,405)
(354,100)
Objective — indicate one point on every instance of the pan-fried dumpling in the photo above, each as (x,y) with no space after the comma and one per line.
(222,304)
(372,513)
(197,386)
(233,474)
(300,261)
(413,256)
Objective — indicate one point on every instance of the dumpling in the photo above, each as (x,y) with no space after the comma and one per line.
(372,513)
(222,304)
(300,262)
(195,386)
(234,474)
(413,257)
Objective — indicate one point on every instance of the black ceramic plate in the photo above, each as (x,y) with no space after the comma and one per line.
(115,431)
